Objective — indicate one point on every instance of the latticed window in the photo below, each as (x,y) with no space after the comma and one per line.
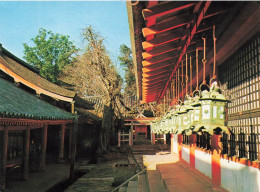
(203,141)
(185,139)
(241,73)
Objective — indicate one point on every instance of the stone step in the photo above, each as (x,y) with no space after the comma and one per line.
(155,183)
(142,183)
(178,177)
(132,186)
(122,189)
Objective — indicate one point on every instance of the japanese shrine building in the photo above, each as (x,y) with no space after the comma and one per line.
(171,42)
(28,122)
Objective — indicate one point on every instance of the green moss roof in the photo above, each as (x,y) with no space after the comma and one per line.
(17,103)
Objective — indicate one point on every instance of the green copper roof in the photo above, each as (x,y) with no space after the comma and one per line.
(17,103)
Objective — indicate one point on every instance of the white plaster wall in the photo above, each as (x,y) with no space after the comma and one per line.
(174,144)
(203,162)
(186,154)
(239,178)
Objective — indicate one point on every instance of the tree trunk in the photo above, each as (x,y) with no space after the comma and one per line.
(106,128)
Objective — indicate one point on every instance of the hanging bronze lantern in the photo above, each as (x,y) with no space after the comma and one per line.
(182,112)
(168,123)
(153,125)
(213,115)
(189,114)
(195,116)
(161,128)
(172,122)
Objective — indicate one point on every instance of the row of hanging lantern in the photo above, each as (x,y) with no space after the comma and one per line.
(203,111)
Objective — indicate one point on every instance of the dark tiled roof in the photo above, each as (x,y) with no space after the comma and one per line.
(28,66)
(33,77)
(17,103)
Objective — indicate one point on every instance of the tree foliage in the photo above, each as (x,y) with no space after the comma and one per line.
(93,74)
(50,54)
(126,61)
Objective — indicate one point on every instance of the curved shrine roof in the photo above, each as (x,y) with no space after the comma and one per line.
(25,75)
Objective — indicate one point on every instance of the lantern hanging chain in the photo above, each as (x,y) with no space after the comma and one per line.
(204,61)
(190,75)
(178,84)
(197,68)
(173,90)
(187,78)
(182,83)
(214,66)
(182,73)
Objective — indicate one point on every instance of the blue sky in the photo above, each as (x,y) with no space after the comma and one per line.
(20,22)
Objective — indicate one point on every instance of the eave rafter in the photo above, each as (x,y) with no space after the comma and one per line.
(170,30)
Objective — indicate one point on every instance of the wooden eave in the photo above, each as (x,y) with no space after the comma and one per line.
(26,76)
(170,30)
(19,124)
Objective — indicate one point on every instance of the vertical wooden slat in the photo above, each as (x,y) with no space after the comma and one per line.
(26,153)
(3,158)
(73,147)
(61,139)
(44,146)
(118,137)
(70,140)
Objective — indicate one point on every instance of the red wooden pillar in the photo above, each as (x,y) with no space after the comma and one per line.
(73,147)
(146,132)
(44,145)
(215,160)
(119,138)
(26,153)
(192,150)
(3,158)
(172,141)
(164,139)
(153,138)
(180,145)
(61,138)
(70,140)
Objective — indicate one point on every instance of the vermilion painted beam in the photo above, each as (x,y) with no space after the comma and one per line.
(147,93)
(163,81)
(151,21)
(148,64)
(160,41)
(157,71)
(173,23)
(153,91)
(162,49)
(150,100)
(156,81)
(154,85)
(151,97)
(166,8)
(157,90)
(158,68)
(200,18)
(151,94)
(162,57)
(176,35)
(154,73)
(157,76)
